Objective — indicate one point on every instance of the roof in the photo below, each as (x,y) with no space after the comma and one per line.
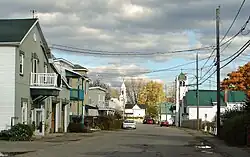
(165,107)
(63,78)
(99,88)
(130,106)
(14,30)
(182,77)
(63,60)
(79,67)
(207,97)
(71,73)
(142,106)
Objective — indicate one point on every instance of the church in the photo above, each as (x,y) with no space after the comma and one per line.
(130,111)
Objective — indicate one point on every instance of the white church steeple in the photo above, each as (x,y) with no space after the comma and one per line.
(123,94)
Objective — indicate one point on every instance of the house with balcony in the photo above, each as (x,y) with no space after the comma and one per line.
(79,107)
(32,90)
(99,107)
(77,81)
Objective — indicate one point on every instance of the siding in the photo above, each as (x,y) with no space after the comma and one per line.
(210,111)
(7,83)
(28,46)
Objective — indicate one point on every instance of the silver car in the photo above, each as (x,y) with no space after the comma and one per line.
(129,124)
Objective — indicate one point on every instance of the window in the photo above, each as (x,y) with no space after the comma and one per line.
(34,65)
(185,109)
(45,68)
(21,63)
(99,97)
(45,71)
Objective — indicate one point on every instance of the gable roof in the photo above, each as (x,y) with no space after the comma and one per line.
(15,30)
(207,97)
(64,61)
(98,88)
(142,106)
(130,106)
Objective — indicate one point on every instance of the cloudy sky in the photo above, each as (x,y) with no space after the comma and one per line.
(139,27)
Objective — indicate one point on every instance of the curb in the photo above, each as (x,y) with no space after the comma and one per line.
(216,147)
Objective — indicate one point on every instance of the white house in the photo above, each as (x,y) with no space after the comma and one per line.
(135,111)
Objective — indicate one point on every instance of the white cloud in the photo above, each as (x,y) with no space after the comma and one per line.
(139,25)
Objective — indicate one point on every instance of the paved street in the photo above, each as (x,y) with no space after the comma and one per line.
(146,141)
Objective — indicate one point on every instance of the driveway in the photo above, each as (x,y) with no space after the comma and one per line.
(145,141)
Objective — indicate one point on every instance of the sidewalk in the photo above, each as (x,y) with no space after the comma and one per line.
(219,145)
(45,142)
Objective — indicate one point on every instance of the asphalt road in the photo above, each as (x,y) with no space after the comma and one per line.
(145,141)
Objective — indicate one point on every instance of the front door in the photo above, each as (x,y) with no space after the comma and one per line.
(63,118)
(53,114)
(24,108)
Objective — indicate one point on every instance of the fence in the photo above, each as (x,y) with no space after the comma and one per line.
(191,124)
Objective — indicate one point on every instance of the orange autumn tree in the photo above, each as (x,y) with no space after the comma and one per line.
(238,80)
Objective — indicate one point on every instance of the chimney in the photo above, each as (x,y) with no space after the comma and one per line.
(225,96)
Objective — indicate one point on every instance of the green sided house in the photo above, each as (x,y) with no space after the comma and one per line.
(207,103)
(166,113)
(32,90)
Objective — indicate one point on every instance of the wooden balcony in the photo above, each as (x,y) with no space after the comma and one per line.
(48,84)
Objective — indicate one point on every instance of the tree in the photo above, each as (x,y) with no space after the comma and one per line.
(238,80)
(133,87)
(151,95)
(98,83)
(114,93)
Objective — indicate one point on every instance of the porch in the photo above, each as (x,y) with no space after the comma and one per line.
(43,88)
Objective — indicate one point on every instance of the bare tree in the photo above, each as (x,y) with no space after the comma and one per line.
(133,87)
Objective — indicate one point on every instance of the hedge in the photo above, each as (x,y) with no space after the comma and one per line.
(18,132)
(102,122)
(234,129)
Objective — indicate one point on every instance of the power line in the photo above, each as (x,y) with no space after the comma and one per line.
(233,54)
(240,51)
(229,41)
(110,53)
(236,16)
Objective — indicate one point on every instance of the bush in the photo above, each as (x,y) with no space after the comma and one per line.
(19,132)
(234,129)
(75,127)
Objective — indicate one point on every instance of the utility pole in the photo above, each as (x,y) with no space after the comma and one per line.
(197,91)
(218,68)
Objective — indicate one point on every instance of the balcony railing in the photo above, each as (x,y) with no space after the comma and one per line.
(76,94)
(44,80)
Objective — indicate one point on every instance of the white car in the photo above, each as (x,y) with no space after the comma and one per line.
(129,124)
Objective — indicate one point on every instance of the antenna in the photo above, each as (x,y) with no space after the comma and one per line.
(33,13)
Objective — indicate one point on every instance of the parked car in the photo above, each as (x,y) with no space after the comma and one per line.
(148,121)
(164,123)
(129,124)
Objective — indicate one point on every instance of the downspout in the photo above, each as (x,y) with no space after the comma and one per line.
(78,93)
(83,109)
